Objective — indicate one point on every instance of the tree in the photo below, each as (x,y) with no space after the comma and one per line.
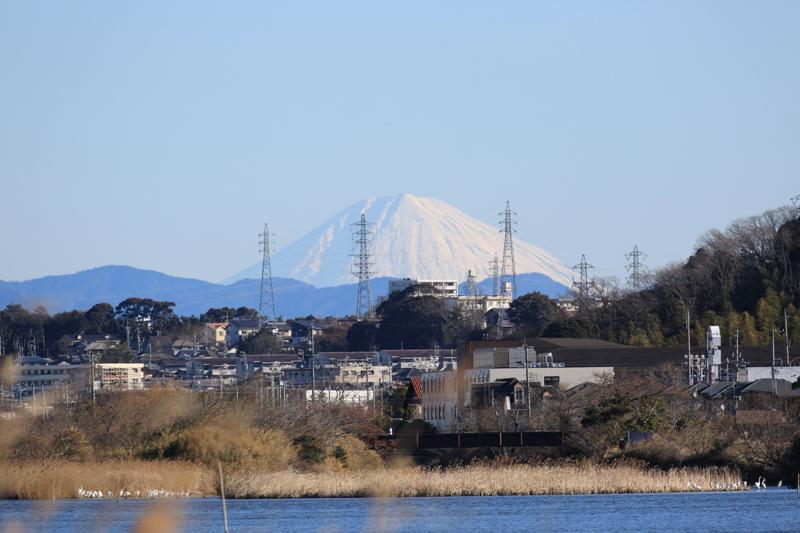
(533,312)
(118,354)
(100,319)
(332,339)
(411,321)
(247,312)
(160,315)
(572,328)
(218,314)
(60,325)
(361,336)
(264,342)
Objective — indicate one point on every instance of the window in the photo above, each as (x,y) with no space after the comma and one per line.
(518,395)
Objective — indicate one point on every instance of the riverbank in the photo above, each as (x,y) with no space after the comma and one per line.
(62,480)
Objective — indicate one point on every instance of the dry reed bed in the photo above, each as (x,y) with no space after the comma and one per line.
(62,479)
(474,481)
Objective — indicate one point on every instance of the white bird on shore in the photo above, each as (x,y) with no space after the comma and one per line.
(780,483)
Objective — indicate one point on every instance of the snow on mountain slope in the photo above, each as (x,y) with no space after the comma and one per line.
(413,237)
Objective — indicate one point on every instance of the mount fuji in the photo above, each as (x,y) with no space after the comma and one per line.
(412,236)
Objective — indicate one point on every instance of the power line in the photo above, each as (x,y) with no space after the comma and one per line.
(362,267)
(508,270)
(266,294)
(585,282)
(637,277)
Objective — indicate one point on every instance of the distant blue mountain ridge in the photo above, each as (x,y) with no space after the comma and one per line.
(112,284)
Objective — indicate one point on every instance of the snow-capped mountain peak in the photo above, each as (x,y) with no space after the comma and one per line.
(412,236)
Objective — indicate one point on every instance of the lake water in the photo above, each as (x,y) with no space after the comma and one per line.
(769,510)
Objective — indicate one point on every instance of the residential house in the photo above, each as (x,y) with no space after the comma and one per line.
(214,371)
(241,329)
(215,333)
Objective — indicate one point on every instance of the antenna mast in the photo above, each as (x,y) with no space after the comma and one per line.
(266,294)
(584,284)
(362,268)
(637,277)
(508,270)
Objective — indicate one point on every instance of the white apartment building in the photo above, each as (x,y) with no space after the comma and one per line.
(119,376)
(441,288)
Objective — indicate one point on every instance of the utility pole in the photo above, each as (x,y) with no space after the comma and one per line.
(738,359)
(584,284)
(637,277)
(362,267)
(313,379)
(774,385)
(786,335)
(527,380)
(266,296)
(94,400)
(689,347)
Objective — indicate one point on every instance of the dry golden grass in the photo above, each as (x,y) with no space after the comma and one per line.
(482,480)
(62,479)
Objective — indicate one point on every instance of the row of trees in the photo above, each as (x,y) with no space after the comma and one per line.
(37,332)
(744,279)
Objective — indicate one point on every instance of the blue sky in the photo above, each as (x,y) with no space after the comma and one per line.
(162,135)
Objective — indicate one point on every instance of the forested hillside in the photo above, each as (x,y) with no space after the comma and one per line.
(742,278)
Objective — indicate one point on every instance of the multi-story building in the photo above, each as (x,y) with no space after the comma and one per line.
(440,288)
(39,373)
(119,376)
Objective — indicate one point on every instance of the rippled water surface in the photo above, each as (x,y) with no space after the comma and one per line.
(770,510)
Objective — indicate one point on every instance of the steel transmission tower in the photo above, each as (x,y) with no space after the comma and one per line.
(796,202)
(637,277)
(494,269)
(362,267)
(267,294)
(471,285)
(508,270)
(584,284)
